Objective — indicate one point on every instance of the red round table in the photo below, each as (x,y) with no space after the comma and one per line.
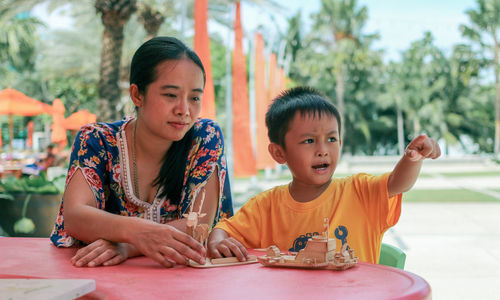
(142,278)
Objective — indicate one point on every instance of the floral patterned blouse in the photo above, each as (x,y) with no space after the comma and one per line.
(100,152)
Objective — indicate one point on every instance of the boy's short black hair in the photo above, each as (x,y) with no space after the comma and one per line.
(301,99)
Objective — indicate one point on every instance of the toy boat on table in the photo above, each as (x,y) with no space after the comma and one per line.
(319,253)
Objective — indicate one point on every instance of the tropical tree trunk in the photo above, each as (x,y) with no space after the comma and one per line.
(151,19)
(114,16)
(339,91)
(416,125)
(496,67)
(401,138)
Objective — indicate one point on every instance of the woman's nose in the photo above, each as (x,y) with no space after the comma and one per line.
(182,107)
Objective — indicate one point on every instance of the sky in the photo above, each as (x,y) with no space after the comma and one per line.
(398,22)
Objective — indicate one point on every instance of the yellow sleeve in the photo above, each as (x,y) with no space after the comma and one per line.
(383,211)
(245,224)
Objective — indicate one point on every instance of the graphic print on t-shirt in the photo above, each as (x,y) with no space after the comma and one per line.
(341,233)
(301,241)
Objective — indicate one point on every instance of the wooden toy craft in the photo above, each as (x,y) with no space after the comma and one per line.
(319,253)
(223,262)
(200,233)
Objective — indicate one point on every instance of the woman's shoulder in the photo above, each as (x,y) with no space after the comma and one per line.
(102,132)
(207,129)
(104,128)
(206,125)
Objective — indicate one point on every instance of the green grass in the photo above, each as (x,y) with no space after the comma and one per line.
(450,195)
(471,174)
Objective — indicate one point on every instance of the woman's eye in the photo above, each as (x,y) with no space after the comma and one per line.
(196,99)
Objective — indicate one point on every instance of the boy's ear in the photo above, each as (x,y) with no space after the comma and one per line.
(277,152)
(136,95)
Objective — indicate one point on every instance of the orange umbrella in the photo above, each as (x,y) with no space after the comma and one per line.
(77,119)
(58,131)
(13,102)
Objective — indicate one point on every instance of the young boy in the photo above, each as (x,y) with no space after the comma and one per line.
(304,130)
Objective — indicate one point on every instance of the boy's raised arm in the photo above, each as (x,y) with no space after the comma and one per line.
(405,173)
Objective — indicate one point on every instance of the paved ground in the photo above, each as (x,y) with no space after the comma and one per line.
(454,246)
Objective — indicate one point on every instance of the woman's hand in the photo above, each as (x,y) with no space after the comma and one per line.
(220,244)
(100,252)
(168,246)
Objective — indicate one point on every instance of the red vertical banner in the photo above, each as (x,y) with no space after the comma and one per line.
(264,159)
(243,154)
(273,80)
(202,48)
(58,132)
(282,85)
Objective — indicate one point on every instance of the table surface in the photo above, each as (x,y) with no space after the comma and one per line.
(142,278)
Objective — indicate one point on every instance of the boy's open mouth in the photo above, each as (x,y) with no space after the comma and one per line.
(320,166)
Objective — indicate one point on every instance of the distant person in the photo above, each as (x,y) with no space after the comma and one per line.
(129,182)
(48,159)
(304,130)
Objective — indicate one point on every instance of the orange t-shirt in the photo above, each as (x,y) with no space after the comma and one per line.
(358,208)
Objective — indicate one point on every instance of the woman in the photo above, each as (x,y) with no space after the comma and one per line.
(129,182)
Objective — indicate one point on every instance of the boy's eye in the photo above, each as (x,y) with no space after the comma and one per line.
(308,141)
(170,95)
(332,139)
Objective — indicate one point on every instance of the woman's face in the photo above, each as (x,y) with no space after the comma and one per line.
(172,103)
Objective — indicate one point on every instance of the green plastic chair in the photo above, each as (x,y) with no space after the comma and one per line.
(392,256)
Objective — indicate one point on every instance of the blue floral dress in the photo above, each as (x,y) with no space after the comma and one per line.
(100,152)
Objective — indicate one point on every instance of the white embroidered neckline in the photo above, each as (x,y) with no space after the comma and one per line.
(151,210)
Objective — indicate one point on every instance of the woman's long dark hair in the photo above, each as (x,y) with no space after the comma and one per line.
(142,73)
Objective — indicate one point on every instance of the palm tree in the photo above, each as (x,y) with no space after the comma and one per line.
(342,21)
(150,17)
(114,16)
(485,25)
(17,42)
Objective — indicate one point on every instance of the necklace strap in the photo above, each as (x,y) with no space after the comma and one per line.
(134,162)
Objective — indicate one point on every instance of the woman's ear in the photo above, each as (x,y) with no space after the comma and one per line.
(277,152)
(136,95)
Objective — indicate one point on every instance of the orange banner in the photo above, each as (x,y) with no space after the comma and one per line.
(58,131)
(243,153)
(273,88)
(31,129)
(264,159)
(202,48)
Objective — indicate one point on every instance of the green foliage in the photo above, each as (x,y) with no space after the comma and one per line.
(30,185)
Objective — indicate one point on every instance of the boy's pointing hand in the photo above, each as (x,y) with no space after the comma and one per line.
(422,147)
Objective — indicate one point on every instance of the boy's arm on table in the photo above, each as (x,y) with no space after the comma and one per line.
(405,174)
(221,244)
(84,221)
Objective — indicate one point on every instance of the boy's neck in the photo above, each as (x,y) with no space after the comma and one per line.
(306,192)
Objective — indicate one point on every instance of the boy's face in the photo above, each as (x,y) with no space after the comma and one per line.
(312,148)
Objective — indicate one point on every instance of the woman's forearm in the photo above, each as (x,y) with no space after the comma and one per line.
(88,224)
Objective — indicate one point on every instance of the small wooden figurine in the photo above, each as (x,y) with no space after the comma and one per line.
(198,231)
(319,253)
